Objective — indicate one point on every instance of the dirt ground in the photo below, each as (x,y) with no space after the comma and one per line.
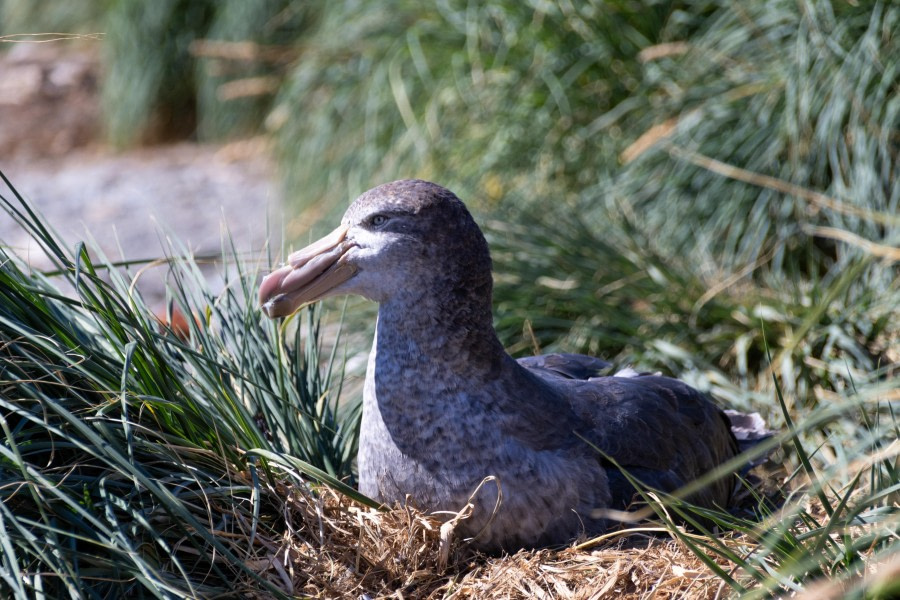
(51,149)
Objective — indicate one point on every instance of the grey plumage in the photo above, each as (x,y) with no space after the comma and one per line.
(445,406)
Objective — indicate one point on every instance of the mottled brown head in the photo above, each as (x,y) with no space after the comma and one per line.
(407,238)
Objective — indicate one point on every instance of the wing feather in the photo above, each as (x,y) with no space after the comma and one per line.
(661,430)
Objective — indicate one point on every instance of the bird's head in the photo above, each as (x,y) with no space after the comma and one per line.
(405,237)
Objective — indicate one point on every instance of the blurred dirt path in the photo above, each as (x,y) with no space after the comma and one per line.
(130,203)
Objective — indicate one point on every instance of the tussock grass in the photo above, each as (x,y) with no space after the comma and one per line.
(503,102)
(127,455)
(196,68)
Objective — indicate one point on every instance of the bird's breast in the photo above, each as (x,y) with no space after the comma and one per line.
(438,457)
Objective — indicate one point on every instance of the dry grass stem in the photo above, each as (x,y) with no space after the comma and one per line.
(817,199)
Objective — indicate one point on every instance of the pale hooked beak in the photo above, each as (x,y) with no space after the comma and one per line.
(309,275)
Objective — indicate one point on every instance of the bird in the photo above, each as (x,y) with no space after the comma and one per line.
(536,445)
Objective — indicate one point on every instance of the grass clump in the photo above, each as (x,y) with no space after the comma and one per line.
(196,69)
(132,454)
(506,99)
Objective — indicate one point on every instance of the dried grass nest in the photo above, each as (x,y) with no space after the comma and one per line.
(333,547)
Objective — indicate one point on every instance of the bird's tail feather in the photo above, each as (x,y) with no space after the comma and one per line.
(749,429)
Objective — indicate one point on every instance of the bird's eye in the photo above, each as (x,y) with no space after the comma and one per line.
(378,220)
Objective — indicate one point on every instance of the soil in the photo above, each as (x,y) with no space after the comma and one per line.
(129,203)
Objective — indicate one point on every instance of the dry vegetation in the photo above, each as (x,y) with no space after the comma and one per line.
(338,548)
(334,547)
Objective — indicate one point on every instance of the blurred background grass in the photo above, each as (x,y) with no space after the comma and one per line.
(705,187)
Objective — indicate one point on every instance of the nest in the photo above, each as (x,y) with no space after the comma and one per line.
(332,547)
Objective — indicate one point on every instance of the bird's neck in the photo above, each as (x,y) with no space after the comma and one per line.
(428,378)
(450,335)
(434,353)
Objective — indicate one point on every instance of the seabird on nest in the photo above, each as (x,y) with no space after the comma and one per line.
(445,406)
